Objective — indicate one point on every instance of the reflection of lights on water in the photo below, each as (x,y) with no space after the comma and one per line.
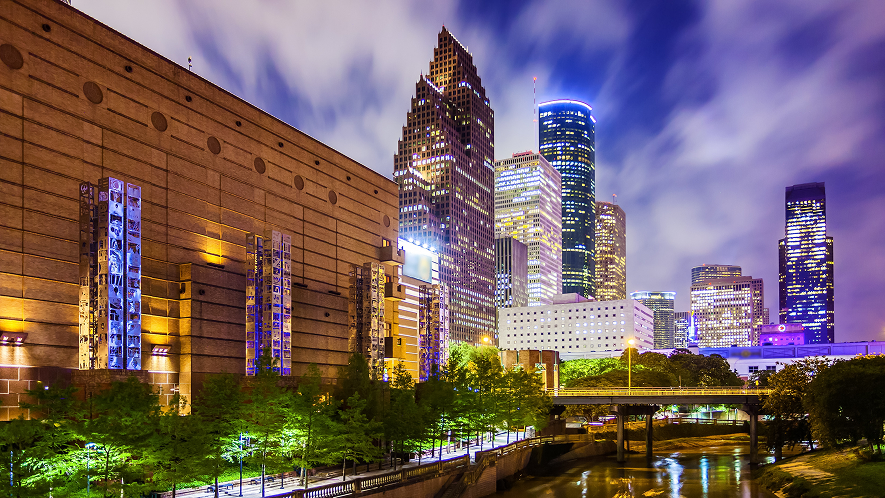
(585,489)
(705,478)
(737,464)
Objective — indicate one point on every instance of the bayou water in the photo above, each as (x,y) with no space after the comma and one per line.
(719,471)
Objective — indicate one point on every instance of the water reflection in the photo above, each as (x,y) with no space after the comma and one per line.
(708,472)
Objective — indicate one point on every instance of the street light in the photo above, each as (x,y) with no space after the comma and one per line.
(89,448)
(630,364)
(485,339)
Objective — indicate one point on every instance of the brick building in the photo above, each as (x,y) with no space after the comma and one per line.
(80,102)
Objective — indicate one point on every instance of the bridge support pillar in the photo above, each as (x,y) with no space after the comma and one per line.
(649,429)
(753,412)
(621,414)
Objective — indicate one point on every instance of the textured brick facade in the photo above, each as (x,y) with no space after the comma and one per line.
(79,102)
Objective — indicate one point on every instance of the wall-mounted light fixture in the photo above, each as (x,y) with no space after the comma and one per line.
(12,338)
(160,349)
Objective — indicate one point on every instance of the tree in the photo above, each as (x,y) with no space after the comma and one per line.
(847,401)
(217,412)
(436,399)
(309,422)
(180,448)
(264,416)
(403,422)
(786,405)
(354,439)
(572,370)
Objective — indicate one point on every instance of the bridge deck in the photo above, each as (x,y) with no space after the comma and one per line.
(657,396)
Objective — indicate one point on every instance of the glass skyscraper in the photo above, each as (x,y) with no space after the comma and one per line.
(527,207)
(611,252)
(567,139)
(806,263)
(446,176)
(708,272)
(511,273)
(662,305)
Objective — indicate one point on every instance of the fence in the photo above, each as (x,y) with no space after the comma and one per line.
(657,391)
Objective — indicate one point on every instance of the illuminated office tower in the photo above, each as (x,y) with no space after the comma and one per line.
(528,208)
(269,301)
(728,311)
(511,273)
(445,171)
(707,272)
(684,334)
(366,314)
(662,305)
(567,138)
(611,252)
(110,276)
(806,264)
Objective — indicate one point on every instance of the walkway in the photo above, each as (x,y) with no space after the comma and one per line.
(273,488)
(657,395)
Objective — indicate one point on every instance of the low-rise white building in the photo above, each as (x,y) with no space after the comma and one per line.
(574,324)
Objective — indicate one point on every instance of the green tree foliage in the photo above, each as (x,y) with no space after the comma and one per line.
(178,452)
(218,411)
(264,418)
(846,402)
(789,424)
(355,437)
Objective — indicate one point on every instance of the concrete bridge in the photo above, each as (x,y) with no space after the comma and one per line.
(646,401)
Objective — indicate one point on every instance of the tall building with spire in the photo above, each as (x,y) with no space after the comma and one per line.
(611,252)
(567,138)
(806,264)
(444,166)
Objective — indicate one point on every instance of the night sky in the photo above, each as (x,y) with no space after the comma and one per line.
(706,110)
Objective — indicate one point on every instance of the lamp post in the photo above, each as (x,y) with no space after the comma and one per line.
(630,364)
(241,465)
(89,448)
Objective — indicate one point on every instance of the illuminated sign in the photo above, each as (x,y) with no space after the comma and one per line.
(419,261)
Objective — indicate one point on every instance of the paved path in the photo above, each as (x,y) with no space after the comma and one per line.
(289,484)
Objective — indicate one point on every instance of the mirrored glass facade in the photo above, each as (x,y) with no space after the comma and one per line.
(611,252)
(662,305)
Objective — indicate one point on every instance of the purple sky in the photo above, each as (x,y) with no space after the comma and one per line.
(706,110)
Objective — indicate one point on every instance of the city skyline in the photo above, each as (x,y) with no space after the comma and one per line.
(707,136)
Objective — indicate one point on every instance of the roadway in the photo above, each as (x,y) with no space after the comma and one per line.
(658,396)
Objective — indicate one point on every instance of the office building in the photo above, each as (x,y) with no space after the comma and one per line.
(684,334)
(611,252)
(728,311)
(707,272)
(806,264)
(211,167)
(662,304)
(528,208)
(511,273)
(575,324)
(567,139)
(445,171)
(781,334)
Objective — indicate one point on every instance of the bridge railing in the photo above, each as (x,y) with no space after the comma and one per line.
(657,391)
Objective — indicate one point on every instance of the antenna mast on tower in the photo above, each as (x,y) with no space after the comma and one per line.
(535,112)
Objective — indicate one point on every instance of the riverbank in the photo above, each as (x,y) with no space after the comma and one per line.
(831,473)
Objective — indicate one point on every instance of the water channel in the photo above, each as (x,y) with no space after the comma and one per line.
(719,471)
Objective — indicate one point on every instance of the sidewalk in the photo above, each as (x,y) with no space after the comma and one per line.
(293,483)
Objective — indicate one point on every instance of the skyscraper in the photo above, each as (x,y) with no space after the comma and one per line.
(662,304)
(567,138)
(611,252)
(728,311)
(684,330)
(707,272)
(444,168)
(511,273)
(806,264)
(528,208)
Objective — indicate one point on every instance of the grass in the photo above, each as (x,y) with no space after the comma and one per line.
(831,473)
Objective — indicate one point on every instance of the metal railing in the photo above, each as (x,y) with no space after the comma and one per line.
(657,391)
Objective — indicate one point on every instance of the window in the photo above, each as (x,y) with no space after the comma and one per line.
(753,368)
(771,368)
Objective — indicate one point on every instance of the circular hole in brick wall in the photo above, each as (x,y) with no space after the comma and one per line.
(317,162)
(280,144)
(11,56)
(239,123)
(386,221)
(47,28)
(259,165)
(128,69)
(188,98)
(376,190)
(159,121)
(93,92)
(299,182)
(333,197)
(348,177)
(214,145)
